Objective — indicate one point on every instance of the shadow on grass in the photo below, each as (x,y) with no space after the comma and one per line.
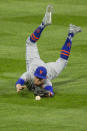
(64,82)
(25,94)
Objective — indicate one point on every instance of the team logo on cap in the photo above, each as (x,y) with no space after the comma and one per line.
(41,71)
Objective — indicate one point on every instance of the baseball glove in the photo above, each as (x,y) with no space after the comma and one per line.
(38,91)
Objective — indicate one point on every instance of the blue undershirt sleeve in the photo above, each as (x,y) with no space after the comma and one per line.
(50,89)
(20,81)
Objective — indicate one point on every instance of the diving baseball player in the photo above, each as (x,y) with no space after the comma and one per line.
(39,74)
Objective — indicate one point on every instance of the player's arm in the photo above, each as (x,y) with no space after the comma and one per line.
(48,87)
(50,90)
(20,84)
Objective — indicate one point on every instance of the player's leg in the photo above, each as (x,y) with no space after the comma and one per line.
(31,43)
(56,67)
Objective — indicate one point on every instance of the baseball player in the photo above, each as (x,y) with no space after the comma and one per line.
(39,74)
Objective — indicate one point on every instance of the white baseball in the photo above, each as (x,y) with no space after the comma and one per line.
(37,98)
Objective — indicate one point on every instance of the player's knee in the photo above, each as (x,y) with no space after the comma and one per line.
(62,62)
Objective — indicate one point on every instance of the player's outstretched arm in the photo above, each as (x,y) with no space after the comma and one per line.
(20,84)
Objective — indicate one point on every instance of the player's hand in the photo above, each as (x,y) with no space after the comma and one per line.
(19,87)
(50,94)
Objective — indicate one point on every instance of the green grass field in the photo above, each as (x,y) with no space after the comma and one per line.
(67,110)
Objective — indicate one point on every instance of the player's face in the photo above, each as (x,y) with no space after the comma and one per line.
(38,81)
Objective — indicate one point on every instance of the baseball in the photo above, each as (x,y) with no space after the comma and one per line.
(37,98)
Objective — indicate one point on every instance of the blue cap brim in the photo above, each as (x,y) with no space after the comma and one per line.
(41,77)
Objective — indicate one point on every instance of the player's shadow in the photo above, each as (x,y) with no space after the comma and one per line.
(26,93)
(57,85)
(61,83)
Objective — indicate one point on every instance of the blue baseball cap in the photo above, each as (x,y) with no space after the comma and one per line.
(41,72)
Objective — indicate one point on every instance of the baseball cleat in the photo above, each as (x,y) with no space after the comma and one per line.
(74,29)
(47,20)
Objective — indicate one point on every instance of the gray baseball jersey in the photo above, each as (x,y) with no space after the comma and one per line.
(33,61)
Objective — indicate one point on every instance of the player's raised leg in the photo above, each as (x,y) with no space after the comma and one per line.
(65,51)
(58,66)
(31,46)
(47,20)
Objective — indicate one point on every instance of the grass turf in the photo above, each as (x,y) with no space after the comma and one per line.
(67,110)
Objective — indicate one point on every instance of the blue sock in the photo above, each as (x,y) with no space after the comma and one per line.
(36,34)
(65,51)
